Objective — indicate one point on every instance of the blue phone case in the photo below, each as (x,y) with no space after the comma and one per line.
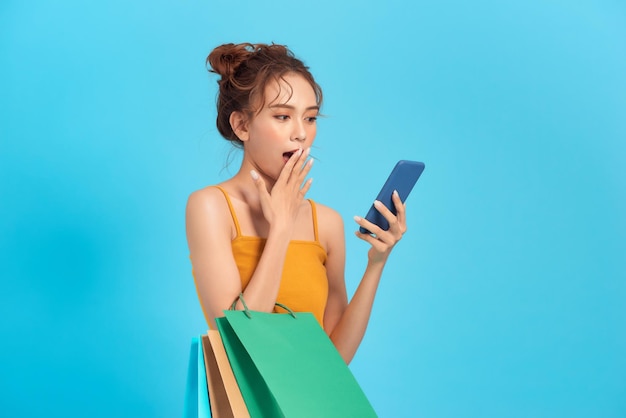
(402,178)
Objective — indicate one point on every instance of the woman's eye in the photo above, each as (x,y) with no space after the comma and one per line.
(312,119)
(281,117)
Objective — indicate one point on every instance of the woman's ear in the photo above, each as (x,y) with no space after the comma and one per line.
(239,124)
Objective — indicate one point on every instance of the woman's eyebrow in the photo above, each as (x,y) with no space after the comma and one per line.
(286,106)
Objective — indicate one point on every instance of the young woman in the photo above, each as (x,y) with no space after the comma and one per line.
(255,233)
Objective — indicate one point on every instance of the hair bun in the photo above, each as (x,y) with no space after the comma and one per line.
(225,59)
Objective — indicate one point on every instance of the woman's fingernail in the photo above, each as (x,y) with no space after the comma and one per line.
(308,151)
(254,174)
(357,218)
(377,203)
(395,193)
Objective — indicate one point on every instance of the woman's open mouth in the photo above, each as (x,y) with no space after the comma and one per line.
(287,155)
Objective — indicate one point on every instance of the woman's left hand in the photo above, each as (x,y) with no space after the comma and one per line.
(383,241)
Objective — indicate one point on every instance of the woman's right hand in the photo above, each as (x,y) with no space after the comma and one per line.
(280,205)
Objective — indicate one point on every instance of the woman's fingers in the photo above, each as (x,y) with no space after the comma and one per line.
(295,171)
(264,195)
(400,210)
(392,219)
(287,171)
(397,222)
(372,240)
(260,185)
(300,168)
(376,233)
(306,187)
(367,225)
(306,167)
(258,180)
(296,168)
(383,239)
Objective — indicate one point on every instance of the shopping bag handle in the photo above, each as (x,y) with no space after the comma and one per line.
(247,311)
(280,305)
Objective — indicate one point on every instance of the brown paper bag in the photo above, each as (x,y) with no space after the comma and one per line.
(224,394)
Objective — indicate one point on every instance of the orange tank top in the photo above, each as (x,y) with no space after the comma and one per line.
(304,284)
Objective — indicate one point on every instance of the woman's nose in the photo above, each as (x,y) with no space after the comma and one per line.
(299,133)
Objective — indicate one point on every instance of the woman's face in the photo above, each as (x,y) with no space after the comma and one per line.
(285,124)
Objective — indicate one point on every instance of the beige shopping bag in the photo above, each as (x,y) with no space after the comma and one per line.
(224,394)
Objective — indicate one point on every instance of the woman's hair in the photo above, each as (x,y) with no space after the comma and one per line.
(245,71)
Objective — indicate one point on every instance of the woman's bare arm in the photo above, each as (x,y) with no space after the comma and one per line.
(345,322)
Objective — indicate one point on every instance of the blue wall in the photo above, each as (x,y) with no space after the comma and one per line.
(506,297)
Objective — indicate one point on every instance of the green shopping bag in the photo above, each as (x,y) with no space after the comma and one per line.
(286,366)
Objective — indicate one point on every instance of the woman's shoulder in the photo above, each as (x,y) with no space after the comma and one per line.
(207,199)
(208,192)
(331,229)
(327,215)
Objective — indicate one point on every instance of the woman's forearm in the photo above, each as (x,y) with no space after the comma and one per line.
(349,331)
(262,290)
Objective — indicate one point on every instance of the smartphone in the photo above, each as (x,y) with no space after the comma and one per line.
(402,178)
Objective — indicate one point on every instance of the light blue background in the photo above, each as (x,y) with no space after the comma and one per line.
(506,298)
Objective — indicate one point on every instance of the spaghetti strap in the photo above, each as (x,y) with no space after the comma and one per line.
(314,211)
(232,211)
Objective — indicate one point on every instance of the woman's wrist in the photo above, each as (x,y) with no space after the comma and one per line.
(281,230)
